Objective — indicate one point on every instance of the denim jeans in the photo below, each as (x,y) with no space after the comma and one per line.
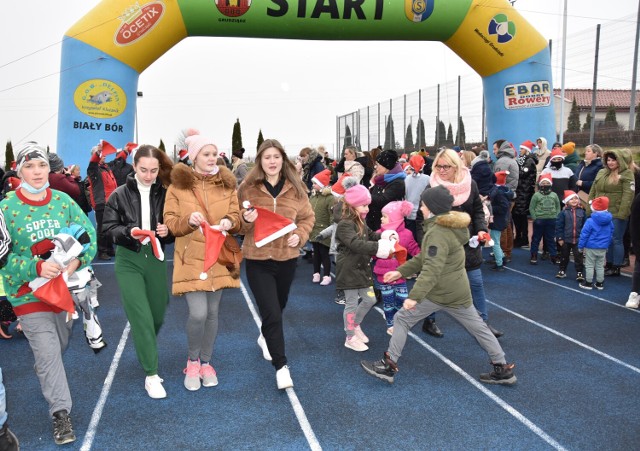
(615,253)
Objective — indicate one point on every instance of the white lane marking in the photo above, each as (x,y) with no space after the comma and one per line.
(576,290)
(314,444)
(568,338)
(106,387)
(495,398)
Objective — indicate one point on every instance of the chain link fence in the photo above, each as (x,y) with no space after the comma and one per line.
(460,101)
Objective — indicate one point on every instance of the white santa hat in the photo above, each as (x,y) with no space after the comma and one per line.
(269,226)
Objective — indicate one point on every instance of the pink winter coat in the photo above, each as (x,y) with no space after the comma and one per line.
(384,265)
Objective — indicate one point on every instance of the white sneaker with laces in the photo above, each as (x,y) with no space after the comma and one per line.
(361,336)
(283,378)
(634,300)
(316,277)
(263,345)
(326,280)
(153,385)
(354,343)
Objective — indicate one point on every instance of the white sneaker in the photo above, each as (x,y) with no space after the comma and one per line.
(634,300)
(208,375)
(354,343)
(326,280)
(153,385)
(263,345)
(316,277)
(283,378)
(192,375)
(361,336)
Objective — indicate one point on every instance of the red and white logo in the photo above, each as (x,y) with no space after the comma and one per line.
(233,8)
(137,21)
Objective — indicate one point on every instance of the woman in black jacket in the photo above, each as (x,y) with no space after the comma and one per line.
(133,220)
(527,164)
(388,186)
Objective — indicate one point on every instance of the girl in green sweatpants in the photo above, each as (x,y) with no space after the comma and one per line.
(133,220)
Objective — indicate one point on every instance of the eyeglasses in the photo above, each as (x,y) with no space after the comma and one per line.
(443,167)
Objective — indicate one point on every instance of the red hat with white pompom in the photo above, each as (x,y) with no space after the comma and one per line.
(268,226)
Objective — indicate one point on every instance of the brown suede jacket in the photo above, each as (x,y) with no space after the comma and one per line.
(219,194)
(286,204)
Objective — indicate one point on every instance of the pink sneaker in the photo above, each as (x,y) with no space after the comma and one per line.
(316,277)
(361,336)
(326,280)
(208,375)
(192,378)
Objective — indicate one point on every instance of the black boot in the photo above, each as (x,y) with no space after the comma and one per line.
(496,333)
(8,440)
(384,368)
(62,428)
(430,327)
(502,374)
(613,271)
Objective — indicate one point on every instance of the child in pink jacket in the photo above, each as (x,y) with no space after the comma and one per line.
(394,293)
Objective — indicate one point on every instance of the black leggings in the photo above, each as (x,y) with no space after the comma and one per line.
(321,256)
(270,282)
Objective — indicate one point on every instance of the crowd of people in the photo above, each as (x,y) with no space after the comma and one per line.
(405,230)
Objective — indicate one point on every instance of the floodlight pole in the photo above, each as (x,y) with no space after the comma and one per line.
(632,107)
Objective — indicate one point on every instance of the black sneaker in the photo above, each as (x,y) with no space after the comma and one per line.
(561,275)
(613,271)
(599,285)
(62,428)
(580,277)
(502,374)
(8,440)
(499,268)
(534,259)
(384,368)
(430,327)
(496,333)
(545,256)
(585,285)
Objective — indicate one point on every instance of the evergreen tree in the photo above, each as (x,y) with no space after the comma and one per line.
(587,123)
(637,124)
(348,139)
(461,136)
(573,122)
(610,120)
(236,137)
(8,156)
(441,135)
(390,136)
(449,141)
(408,140)
(420,136)
(260,139)
(161,147)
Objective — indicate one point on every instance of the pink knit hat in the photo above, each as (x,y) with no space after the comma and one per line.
(355,195)
(396,211)
(195,143)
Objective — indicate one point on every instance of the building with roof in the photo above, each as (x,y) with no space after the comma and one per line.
(620,98)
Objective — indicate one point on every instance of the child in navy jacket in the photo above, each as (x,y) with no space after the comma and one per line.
(568,227)
(595,238)
(500,197)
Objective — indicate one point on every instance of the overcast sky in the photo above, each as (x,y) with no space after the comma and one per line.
(292,90)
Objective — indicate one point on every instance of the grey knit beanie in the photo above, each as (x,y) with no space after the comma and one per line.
(438,200)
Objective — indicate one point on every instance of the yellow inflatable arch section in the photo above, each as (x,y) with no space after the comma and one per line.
(104,53)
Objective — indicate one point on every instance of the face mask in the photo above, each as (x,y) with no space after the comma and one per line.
(556,164)
(544,189)
(31,189)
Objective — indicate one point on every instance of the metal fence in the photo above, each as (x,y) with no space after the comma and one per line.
(462,99)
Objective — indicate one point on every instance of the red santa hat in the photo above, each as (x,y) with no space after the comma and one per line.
(269,226)
(600,203)
(400,253)
(183,155)
(568,195)
(338,189)
(501,177)
(213,242)
(527,145)
(107,148)
(322,178)
(54,292)
(546,177)
(149,237)
(417,163)
(557,153)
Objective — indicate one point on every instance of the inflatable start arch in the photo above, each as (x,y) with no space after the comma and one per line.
(104,53)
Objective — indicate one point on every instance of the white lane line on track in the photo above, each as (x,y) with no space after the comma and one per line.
(575,290)
(106,387)
(495,398)
(568,338)
(312,440)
